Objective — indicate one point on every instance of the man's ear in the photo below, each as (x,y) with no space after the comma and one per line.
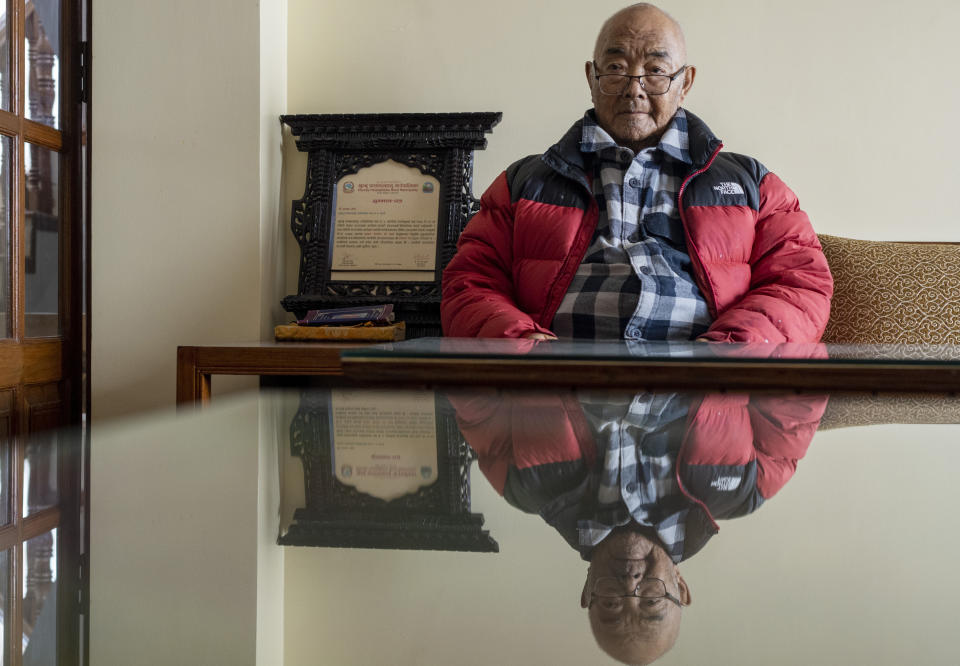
(588,70)
(685,597)
(689,74)
(585,593)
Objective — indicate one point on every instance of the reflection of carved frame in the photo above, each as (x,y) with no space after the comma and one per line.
(435,517)
(437,144)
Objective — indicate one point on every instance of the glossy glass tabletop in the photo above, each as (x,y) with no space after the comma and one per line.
(835,536)
(680,351)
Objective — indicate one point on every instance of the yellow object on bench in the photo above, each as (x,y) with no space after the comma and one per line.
(388,333)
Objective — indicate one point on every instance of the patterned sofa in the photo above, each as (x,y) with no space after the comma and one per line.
(888,292)
(895,293)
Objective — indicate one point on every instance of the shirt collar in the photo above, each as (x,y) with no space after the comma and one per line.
(674,143)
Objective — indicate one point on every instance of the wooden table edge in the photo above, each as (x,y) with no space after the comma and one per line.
(197,363)
(653,373)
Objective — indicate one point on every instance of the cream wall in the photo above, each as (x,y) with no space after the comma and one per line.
(186,175)
(850,102)
(186,249)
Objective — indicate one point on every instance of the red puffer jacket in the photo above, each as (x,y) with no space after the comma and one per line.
(737,451)
(755,256)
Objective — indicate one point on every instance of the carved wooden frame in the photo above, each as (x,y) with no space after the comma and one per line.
(437,144)
(435,517)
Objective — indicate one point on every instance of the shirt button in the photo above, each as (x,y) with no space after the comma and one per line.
(631,487)
(645,270)
(634,182)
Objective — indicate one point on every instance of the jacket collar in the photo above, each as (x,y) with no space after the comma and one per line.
(703,142)
(566,157)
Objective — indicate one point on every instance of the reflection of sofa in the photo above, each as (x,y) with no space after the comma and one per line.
(887,292)
(862,409)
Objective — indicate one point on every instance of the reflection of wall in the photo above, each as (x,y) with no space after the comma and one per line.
(859,542)
(177,569)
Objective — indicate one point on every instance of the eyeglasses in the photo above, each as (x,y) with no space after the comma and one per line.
(652,84)
(610,592)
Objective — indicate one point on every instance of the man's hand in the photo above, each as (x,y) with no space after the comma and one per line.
(539,336)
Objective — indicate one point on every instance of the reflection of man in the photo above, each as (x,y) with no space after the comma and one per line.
(634,593)
(635,225)
(635,483)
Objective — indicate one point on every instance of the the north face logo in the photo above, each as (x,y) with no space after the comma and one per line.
(729,188)
(726,483)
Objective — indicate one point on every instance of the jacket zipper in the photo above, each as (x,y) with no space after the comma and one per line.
(694,409)
(692,249)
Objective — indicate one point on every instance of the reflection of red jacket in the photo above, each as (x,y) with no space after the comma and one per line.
(755,256)
(737,450)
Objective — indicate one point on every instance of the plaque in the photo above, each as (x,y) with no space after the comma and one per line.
(385,199)
(378,469)
(385,224)
(384,442)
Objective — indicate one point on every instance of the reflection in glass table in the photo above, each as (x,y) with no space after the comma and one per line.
(381,469)
(186,512)
(635,483)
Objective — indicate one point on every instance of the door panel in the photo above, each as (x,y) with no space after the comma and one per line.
(42,279)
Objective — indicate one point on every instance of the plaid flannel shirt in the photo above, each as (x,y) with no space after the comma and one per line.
(635,480)
(636,279)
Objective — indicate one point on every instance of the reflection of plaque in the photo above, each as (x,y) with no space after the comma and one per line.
(384,442)
(385,224)
(385,199)
(412,434)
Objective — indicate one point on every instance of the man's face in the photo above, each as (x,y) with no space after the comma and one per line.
(632,629)
(639,41)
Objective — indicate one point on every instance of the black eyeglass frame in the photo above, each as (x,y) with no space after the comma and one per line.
(628,78)
(665,595)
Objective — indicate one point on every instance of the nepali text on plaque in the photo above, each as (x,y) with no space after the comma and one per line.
(385,224)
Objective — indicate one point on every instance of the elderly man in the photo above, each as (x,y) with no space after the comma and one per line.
(636,225)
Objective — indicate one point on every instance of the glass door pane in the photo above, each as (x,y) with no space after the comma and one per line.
(39,639)
(42,242)
(4,604)
(5,74)
(6,219)
(42,37)
(40,473)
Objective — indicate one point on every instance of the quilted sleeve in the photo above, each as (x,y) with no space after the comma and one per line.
(790,286)
(740,450)
(477,283)
(783,427)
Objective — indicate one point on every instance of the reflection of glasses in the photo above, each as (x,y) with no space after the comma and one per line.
(652,84)
(610,592)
